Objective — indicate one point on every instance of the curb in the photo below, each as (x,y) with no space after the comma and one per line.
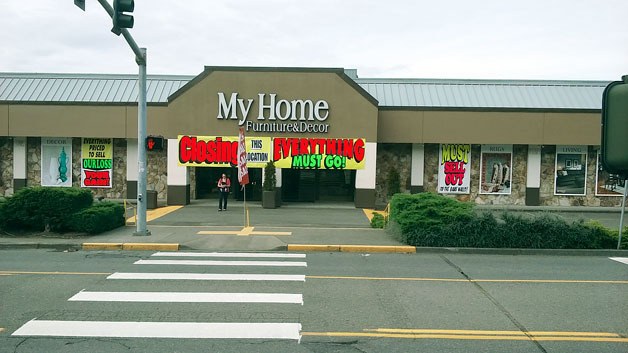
(21,246)
(131,246)
(353,248)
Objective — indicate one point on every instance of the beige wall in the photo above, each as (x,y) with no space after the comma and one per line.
(195,112)
(4,120)
(67,120)
(405,126)
(157,122)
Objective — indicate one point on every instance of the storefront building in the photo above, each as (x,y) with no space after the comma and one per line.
(333,137)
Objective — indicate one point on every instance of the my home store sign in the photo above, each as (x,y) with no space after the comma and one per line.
(275,115)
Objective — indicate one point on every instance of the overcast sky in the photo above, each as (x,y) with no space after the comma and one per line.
(491,39)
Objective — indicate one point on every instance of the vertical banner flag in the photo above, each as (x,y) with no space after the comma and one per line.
(243,171)
(454,170)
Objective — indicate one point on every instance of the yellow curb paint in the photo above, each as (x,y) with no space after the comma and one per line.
(131,246)
(464,337)
(156,213)
(306,247)
(102,246)
(151,246)
(378,249)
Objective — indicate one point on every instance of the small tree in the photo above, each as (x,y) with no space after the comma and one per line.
(394,181)
(270,179)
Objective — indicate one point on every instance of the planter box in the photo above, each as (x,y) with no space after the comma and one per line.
(269,199)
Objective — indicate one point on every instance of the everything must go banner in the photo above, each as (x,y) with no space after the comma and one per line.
(97,162)
(56,161)
(454,170)
(289,153)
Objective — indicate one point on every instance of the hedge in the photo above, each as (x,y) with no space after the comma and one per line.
(43,208)
(99,218)
(438,221)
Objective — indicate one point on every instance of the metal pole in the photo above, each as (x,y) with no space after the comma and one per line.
(244,187)
(623,208)
(141,148)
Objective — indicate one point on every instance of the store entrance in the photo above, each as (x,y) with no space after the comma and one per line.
(207,183)
(310,185)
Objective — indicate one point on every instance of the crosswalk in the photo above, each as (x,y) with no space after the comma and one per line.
(183,261)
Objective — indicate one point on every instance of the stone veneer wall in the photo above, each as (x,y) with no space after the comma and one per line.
(118,189)
(392,155)
(157,172)
(6,166)
(548,170)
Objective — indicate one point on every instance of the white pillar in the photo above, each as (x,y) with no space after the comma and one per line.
(278,176)
(365,179)
(418,167)
(533,177)
(178,177)
(177,174)
(131,160)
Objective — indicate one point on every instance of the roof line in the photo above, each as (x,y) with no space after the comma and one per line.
(483,82)
(46,75)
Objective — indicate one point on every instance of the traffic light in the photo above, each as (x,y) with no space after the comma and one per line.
(154,143)
(120,18)
(615,127)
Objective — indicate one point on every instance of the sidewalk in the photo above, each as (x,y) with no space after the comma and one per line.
(293,226)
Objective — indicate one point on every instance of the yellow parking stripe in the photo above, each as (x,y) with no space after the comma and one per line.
(156,213)
(486,332)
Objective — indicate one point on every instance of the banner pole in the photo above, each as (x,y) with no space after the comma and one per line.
(623,208)
(244,187)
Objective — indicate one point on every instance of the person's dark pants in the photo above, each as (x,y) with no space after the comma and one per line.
(222,203)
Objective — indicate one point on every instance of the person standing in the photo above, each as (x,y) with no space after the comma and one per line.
(224,185)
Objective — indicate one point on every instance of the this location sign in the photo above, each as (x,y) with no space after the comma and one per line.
(615,127)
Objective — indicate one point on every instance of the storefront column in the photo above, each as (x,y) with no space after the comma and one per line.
(178,177)
(418,165)
(533,179)
(131,169)
(19,163)
(365,178)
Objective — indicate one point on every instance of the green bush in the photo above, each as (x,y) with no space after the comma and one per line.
(99,218)
(44,208)
(439,221)
(426,211)
(378,220)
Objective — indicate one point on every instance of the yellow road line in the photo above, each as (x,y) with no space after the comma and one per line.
(54,273)
(464,337)
(419,279)
(488,332)
(1,329)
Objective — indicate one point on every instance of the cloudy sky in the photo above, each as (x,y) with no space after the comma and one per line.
(492,39)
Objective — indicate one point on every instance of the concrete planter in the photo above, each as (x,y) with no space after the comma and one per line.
(269,199)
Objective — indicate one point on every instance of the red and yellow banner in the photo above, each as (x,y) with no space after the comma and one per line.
(222,151)
(318,153)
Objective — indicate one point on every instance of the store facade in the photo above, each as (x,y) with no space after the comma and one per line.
(332,136)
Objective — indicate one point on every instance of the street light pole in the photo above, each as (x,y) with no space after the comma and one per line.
(140,221)
(140,58)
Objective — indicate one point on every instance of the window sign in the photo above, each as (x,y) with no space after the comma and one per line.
(571,170)
(496,169)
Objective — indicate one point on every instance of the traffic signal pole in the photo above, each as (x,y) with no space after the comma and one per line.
(140,58)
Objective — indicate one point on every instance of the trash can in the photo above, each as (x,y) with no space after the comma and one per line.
(151,199)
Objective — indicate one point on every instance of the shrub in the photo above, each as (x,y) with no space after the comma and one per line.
(439,221)
(393,181)
(378,221)
(99,218)
(270,179)
(427,212)
(44,208)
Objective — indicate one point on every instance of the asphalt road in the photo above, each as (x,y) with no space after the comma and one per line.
(351,303)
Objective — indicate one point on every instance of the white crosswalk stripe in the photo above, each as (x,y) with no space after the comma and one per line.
(222,263)
(209,330)
(206,276)
(623,260)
